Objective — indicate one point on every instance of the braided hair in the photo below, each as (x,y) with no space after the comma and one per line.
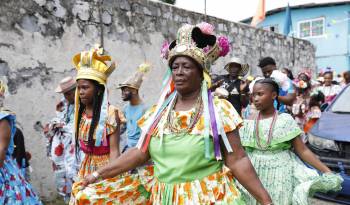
(96,103)
(274,85)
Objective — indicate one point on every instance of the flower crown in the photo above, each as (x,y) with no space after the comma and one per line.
(197,42)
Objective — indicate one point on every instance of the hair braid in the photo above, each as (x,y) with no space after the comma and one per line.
(97,102)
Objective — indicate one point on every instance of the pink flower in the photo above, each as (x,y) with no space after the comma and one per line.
(224,45)
(206,28)
(206,49)
(164,51)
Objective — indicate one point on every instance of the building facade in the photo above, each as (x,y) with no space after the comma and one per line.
(326,26)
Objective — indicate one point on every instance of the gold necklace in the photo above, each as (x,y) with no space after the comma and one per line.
(194,117)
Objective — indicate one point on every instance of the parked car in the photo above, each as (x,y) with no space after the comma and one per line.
(329,139)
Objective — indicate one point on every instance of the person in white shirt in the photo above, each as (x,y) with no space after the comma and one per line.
(329,89)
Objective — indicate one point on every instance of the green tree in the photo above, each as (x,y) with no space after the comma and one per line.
(169,1)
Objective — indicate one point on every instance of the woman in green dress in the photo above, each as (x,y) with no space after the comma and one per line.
(189,136)
(276,151)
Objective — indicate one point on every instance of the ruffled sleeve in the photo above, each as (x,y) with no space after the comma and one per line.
(111,123)
(284,131)
(229,117)
(144,119)
(11,117)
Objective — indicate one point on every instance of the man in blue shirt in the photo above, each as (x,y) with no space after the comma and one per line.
(287,94)
(135,109)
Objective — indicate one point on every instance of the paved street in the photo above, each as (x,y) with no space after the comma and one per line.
(320,202)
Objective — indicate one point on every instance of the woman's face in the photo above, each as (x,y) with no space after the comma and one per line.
(303,77)
(86,91)
(328,78)
(263,96)
(70,96)
(186,74)
(234,69)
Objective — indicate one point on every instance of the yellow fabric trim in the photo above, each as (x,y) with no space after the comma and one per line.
(88,73)
(191,51)
(92,66)
(76,111)
(207,78)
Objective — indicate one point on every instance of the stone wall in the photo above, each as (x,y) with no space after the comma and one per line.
(39,37)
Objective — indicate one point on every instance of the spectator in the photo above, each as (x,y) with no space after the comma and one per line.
(287,93)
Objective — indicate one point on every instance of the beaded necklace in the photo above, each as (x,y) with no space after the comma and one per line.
(269,138)
(194,117)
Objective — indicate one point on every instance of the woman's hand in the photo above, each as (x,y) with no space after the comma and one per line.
(89,179)
(216,84)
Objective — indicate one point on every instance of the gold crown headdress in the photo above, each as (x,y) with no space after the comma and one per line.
(199,43)
(93,65)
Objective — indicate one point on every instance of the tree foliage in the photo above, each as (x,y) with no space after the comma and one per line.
(169,1)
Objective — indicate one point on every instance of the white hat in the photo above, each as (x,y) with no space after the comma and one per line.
(244,66)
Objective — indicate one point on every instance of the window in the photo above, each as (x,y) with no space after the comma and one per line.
(273,28)
(341,104)
(311,28)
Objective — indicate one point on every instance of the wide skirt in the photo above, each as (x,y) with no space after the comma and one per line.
(144,188)
(14,189)
(287,179)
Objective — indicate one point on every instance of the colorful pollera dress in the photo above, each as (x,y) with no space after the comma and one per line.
(181,175)
(95,157)
(14,189)
(287,179)
(60,147)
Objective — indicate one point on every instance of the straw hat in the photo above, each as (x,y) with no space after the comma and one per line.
(66,84)
(244,66)
(136,79)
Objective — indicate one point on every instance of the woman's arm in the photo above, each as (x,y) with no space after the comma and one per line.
(114,140)
(287,99)
(129,160)
(5,137)
(243,170)
(307,156)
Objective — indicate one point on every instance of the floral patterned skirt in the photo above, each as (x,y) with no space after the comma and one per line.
(14,189)
(144,188)
(92,163)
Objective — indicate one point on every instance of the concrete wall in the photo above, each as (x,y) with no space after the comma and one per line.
(39,37)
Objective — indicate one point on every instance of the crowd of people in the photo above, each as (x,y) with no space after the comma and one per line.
(228,139)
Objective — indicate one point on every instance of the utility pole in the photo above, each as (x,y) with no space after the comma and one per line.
(99,3)
(205,9)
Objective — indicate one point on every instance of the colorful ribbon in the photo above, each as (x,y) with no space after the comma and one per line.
(214,127)
(102,121)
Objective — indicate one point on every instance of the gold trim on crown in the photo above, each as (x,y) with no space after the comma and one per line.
(185,46)
(93,65)
(188,50)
